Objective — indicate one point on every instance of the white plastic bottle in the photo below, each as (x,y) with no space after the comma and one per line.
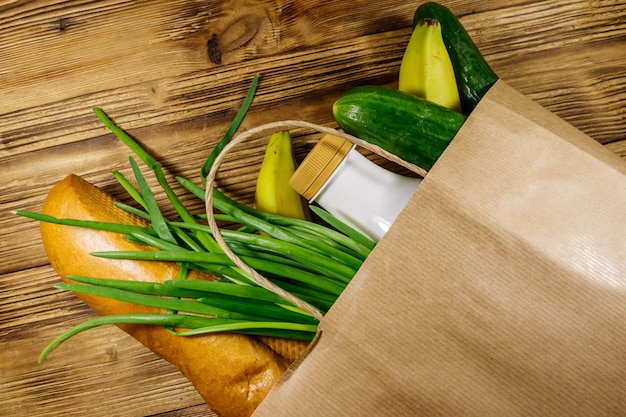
(351,187)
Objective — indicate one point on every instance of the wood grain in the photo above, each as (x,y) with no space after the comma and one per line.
(173,73)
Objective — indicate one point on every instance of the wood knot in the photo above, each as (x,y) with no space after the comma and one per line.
(111,353)
(215,55)
(237,34)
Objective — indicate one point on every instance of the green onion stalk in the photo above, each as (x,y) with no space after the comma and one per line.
(312,261)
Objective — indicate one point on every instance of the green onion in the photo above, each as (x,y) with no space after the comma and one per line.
(321,300)
(311,261)
(258,310)
(152,288)
(128,187)
(314,259)
(289,330)
(230,132)
(168,303)
(132,210)
(197,325)
(231,301)
(156,218)
(226,288)
(292,273)
(88,224)
(206,240)
(342,227)
(347,237)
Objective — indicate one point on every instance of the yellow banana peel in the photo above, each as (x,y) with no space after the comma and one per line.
(273,192)
(426,70)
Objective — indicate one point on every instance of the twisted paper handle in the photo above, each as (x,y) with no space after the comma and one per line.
(265,130)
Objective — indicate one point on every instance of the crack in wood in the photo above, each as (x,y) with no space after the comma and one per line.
(62,24)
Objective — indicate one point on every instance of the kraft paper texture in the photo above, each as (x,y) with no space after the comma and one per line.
(499,291)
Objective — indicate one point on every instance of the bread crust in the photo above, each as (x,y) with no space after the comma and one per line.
(233,373)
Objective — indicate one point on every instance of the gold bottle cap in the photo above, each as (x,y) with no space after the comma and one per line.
(319,165)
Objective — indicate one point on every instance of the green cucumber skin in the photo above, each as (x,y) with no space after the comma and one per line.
(414,129)
(473,74)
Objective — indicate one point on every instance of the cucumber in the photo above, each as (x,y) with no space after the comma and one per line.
(412,128)
(473,74)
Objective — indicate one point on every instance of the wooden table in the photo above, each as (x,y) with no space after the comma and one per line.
(173,73)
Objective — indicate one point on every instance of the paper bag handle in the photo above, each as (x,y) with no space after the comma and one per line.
(265,129)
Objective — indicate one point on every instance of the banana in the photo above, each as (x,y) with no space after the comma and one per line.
(426,70)
(273,192)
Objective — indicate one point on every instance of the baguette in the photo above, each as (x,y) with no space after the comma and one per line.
(232,372)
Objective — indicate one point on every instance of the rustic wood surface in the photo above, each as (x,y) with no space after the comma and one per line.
(173,73)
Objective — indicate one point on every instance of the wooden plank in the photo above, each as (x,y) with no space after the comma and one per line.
(74,43)
(134,42)
(147,64)
(97,368)
(185,93)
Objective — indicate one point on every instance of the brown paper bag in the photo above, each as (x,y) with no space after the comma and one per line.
(499,291)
